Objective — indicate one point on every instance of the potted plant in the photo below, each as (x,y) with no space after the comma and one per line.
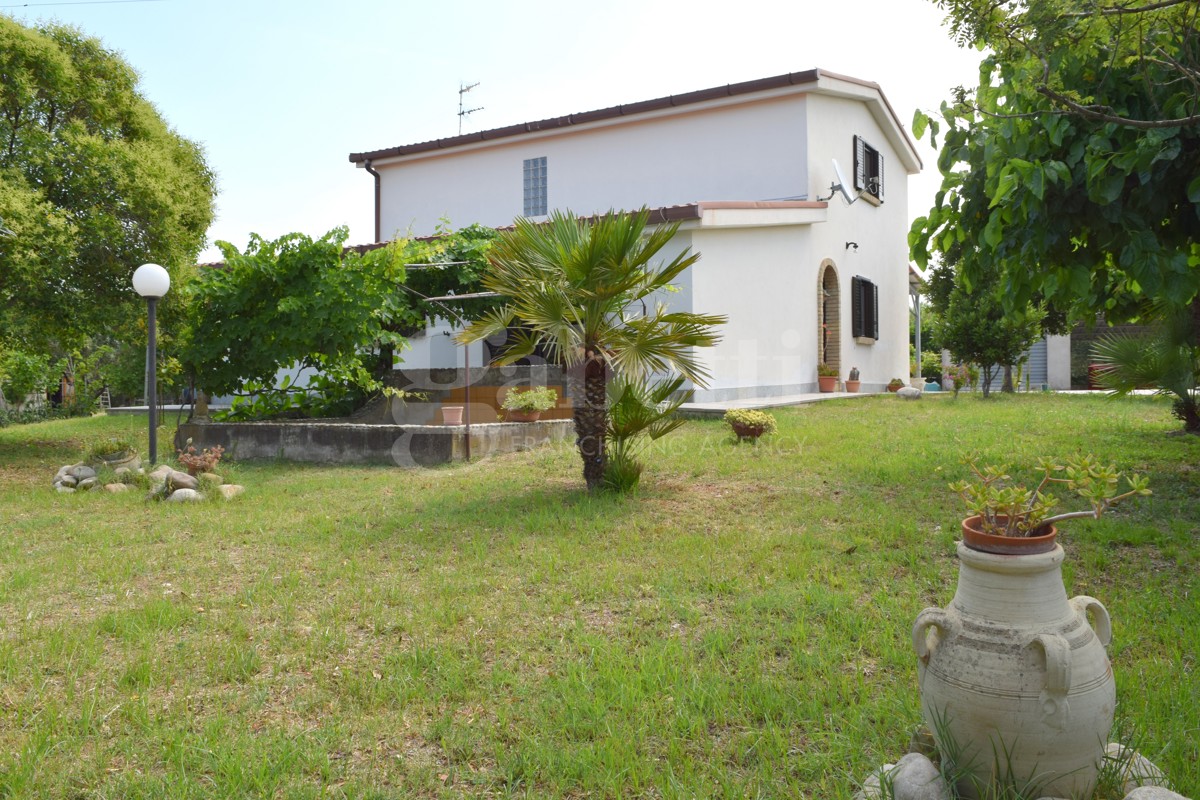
(113,453)
(852,382)
(526,405)
(895,384)
(827,377)
(1015,681)
(748,424)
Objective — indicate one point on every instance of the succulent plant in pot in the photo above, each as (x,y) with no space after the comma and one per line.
(1002,512)
(852,381)
(112,453)
(748,424)
(1012,666)
(895,384)
(827,376)
(526,405)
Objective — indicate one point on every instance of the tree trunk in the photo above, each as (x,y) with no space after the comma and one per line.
(591,418)
(985,376)
(1008,380)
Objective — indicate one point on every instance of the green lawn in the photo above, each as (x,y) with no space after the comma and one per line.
(739,628)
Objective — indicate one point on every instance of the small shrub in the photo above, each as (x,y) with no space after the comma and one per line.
(895,384)
(827,370)
(204,461)
(749,424)
(535,398)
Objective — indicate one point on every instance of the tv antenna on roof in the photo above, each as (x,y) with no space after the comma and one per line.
(463,112)
(839,186)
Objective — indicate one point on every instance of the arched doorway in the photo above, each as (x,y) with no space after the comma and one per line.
(829,339)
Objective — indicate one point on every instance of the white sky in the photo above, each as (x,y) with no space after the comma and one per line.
(280,92)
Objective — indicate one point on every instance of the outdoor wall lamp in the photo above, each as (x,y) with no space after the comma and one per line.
(152,282)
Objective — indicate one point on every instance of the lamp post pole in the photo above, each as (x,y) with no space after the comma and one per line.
(152,282)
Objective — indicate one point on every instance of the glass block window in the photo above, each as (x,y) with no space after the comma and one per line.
(535,187)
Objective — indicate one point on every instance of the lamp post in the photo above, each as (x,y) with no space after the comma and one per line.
(152,282)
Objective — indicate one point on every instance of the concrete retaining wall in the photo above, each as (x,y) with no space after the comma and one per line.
(342,443)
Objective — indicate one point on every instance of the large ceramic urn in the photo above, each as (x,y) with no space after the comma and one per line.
(1016,685)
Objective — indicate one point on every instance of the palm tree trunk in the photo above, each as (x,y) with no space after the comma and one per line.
(591,414)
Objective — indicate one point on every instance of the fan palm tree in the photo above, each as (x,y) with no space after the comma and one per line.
(580,290)
(1168,359)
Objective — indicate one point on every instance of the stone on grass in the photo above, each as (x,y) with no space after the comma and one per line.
(161,472)
(181,480)
(69,482)
(1153,793)
(230,490)
(1136,769)
(909,393)
(80,472)
(116,487)
(914,777)
(86,483)
(184,496)
(209,479)
(66,489)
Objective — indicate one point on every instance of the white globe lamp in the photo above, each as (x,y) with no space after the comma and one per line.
(152,282)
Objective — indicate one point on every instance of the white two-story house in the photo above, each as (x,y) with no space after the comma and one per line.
(809,265)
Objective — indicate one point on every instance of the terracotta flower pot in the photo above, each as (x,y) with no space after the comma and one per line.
(828,383)
(1012,667)
(452,415)
(976,539)
(747,433)
(522,416)
(852,386)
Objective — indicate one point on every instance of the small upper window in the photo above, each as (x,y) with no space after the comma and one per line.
(535,187)
(868,169)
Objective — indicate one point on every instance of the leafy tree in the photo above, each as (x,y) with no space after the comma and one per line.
(22,374)
(1072,172)
(292,302)
(976,328)
(93,182)
(582,290)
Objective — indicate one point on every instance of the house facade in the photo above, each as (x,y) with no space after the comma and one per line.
(808,260)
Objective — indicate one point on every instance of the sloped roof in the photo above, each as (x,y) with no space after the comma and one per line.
(815,79)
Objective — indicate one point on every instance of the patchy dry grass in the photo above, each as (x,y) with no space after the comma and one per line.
(738,628)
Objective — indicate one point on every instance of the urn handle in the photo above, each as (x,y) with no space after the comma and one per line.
(1103,623)
(946,624)
(1058,662)
(1053,698)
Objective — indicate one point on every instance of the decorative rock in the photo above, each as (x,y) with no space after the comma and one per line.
(916,778)
(1136,769)
(66,489)
(69,482)
(230,490)
(1153,793)
(86,483)
(161,472)
(184,496)
(115,488)
(181,480)
(208,479)
(913,778)
(909,393)
(81,472)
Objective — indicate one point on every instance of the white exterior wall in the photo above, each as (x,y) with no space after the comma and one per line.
(881,233)
(759,267)
(673,158)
